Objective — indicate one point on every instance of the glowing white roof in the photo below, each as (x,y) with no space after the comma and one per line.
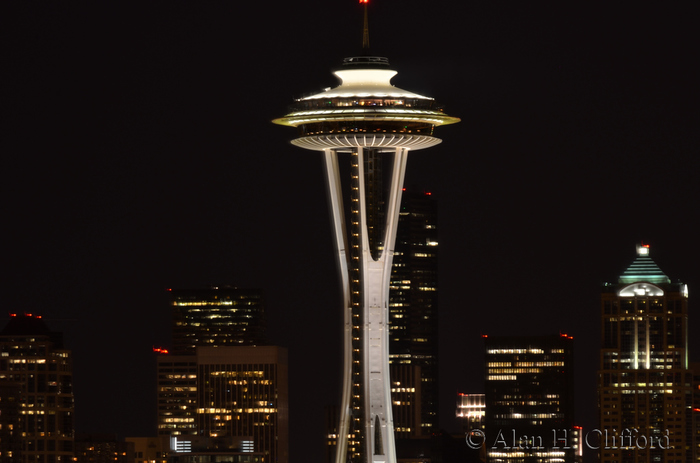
(365,83)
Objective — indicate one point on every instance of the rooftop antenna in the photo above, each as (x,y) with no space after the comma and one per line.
(365,30)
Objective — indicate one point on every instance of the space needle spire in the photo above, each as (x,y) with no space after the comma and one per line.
(365,29)
(365,128)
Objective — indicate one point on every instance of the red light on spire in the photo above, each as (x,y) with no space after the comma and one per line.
(364,1)
(160,350)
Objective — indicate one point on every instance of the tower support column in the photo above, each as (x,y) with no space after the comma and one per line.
(368,320)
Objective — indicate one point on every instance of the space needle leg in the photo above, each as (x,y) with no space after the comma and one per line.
(340,234)
(379,443)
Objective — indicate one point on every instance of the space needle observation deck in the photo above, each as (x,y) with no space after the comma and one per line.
(365,110)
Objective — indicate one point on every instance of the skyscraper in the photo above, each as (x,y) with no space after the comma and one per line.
(644,384)
(529,392)
(243,392)
(413,317)
(375,124)
(36,373)
(237,404)
(205,317)
(217,316)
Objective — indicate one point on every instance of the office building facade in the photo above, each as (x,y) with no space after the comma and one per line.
(413,317)
(36,373)
(529,392)
(216,316)
(471,411)
(644,383)
(222,393)
(228,400)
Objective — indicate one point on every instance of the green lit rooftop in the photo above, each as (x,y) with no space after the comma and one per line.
(644,269)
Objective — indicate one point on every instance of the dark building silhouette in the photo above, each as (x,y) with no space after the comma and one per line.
(36,379)
(645,385)
(413,317)
(695,367)
(103,448)
(529,390)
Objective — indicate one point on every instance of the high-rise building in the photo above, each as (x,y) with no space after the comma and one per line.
(644,382)
(695,367)
(471,411)
(177,395)
(413,317)
(222,393)
(208,317)
(103,448)
(243,391)
(217,316)
(529,391)
(375,125)
(36,373)
(235,403)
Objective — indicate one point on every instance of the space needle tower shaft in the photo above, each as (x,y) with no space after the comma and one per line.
(365,128)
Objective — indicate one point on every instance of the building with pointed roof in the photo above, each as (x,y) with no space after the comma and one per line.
(645,391)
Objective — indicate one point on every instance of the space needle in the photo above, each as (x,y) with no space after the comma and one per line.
(365,128)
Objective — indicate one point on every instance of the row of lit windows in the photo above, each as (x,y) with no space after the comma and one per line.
(214,303)
(525,364)
(518,416)
(219,411)
(517,351)
(238,374)
(504,371)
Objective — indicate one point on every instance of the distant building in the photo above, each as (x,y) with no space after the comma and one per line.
(208,317)
(11,396)
(222,393)
(695,367)
(177,395)
(150,449)
(217,316)
(234,401)
(36,373)
(471,411)
(530,400)
(413,317)
(645,384)
(103,448)
(243,391)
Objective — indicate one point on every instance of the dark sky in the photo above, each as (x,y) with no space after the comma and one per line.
(137,155)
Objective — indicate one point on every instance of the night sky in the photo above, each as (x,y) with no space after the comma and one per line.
(138,155)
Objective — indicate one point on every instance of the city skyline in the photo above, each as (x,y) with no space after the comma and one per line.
(136,162)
